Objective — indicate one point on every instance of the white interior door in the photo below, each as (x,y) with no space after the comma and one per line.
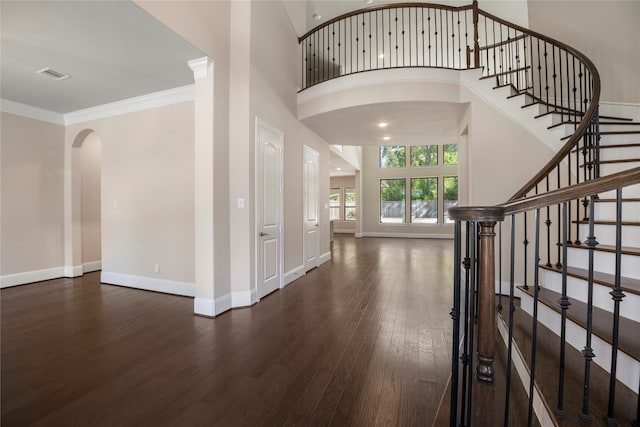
(269,163)
(311,221)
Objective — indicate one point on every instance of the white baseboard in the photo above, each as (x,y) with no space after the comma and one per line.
(31,276)
(343,231)
(89,267)
(358,235)
(149,283)
(243,299)
(223,303)
(204,307)
(73,270)
(324,258)
(292,275)
(408,235)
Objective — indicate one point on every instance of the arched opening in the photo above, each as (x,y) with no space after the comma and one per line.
(87,166)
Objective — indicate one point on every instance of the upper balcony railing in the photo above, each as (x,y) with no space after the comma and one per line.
(389,36)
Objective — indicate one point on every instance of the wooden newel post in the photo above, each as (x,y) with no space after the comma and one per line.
(486,303)
(476,42)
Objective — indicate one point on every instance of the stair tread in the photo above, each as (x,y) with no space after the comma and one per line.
(602,162)
(624,200)
(626,250)
(573,122)
(627,284)
(602,321)
(631,223)
(546,378)
(504,73)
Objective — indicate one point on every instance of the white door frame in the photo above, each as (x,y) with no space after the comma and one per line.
(259,123)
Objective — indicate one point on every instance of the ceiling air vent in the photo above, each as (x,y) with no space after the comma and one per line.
(53,74)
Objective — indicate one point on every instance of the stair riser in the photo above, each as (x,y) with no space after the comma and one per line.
(577,289)
(607,211)
(625,138)
(619,153)
(628,369)
(619,128)
(604,261)
(629,191)
(605,235)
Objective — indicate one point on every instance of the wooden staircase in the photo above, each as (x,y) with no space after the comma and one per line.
(619,150)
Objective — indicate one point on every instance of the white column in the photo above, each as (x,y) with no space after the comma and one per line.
(204,303)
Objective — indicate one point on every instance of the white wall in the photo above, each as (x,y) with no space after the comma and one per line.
(274,68)
(32,211)
(147,196)
(605,31)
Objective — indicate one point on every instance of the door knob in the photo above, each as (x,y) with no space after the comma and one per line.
(262,234)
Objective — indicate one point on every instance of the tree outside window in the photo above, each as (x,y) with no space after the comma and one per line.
(450,154)
(424,200)
(392,200)
(350,204)
(450,195)
(334,203)
(392,156)
(424,155)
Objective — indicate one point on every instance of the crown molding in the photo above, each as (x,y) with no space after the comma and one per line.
(130,105)
(200,67)
(23,110)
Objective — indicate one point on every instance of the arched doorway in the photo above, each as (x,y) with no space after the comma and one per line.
(87,171)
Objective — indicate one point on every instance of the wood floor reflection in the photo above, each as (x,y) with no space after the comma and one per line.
(362,340)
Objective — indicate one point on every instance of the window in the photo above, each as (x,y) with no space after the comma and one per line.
(424,200)
(392,156)
(450,195)
(450,154)
(392,199)
(334,203)
(424,155)
(350,204)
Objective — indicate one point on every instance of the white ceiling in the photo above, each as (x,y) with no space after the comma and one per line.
(113,50)
(409,123)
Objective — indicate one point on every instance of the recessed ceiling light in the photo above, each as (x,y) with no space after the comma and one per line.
(381,56)
(338,169)
(386,138)
(383,124)
(368,1)
(317,16)
(53,74)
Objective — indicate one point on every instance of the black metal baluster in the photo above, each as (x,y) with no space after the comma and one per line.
(429,32)
(564,306)
(560,242)
(442,36)
(588,350)
(534,323)
(546,76)
(539,71)
(616,296)
(472,314)
(396,19)
(500,266)
(459,45)
(511,310)
(502,59)
(525,244)
(548,224)
(455,316)
(597,141)
(468,351)
(424,59)
(554,76)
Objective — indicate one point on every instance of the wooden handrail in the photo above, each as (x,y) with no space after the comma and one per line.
(382,7)
(572,192)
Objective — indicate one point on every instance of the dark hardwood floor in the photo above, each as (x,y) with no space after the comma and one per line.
(362,340)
